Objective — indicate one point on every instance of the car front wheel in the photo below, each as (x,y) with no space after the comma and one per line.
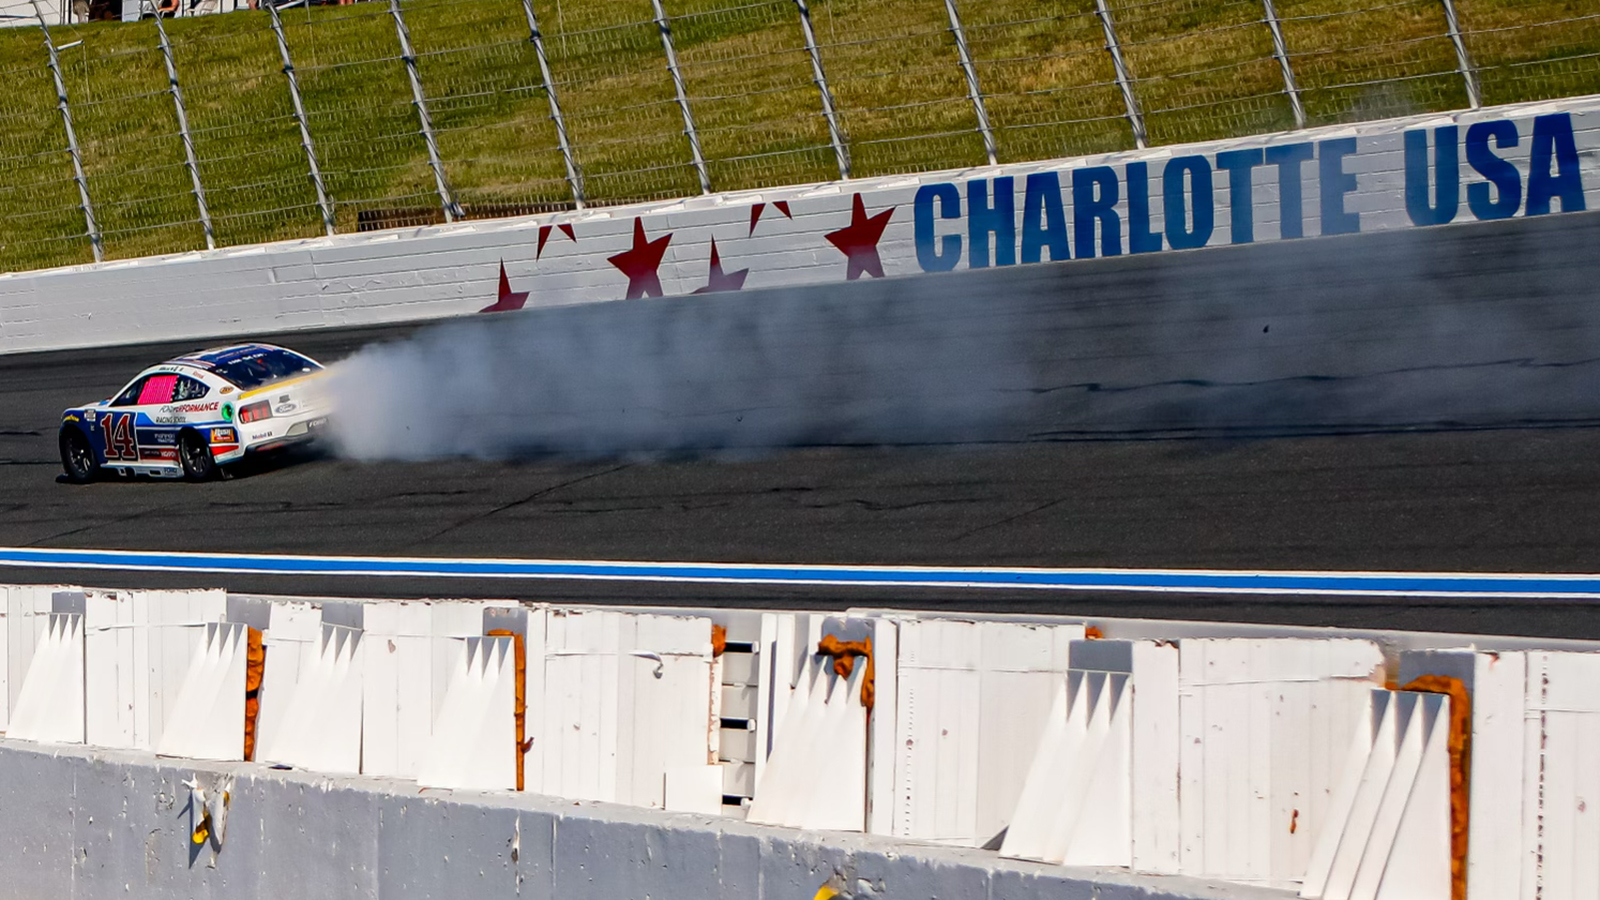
(77,457)
(198,463)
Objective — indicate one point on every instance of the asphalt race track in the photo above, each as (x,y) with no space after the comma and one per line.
(1514,497)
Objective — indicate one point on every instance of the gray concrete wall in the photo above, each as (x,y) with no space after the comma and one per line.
(80,824)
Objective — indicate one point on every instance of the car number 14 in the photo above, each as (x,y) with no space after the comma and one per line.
(122,440)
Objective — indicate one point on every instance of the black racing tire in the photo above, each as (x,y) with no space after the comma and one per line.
(77,456)
(195,454)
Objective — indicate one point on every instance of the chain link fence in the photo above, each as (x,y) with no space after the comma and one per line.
(312,118)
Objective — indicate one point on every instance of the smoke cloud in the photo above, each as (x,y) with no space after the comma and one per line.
(1473,326)
(682,375)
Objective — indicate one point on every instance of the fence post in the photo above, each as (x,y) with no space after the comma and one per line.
(1135,118)
(447,198)
(1280,49)
(1468,73)
(183,132)
(683,97)
(834,133)
(72,137)
(972,80)
(300,118)
(574,176)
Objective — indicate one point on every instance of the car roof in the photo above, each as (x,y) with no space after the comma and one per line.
(219,356)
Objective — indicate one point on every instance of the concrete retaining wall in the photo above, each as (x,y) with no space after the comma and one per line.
(1495,163)
(82,824)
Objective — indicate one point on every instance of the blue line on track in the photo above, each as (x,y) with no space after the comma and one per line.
(1422,584)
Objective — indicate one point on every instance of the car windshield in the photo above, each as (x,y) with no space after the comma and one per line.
(258,367)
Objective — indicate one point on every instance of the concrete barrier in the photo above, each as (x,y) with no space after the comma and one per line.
(83,824)
(1525,160)
(1264,757)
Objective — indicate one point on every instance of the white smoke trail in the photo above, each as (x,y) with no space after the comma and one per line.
(680,375)
(1412,331)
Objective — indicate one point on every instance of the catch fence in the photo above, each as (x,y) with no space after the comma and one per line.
(248,125)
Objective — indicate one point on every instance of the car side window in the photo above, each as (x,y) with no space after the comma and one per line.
(151,389)
(189,389)
(130,396)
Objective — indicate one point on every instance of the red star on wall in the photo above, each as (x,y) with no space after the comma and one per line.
(544,235)
(859,240)
(720,280)
(641,261)
(755,212)
(507,300)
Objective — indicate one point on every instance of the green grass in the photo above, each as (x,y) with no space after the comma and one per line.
(1202,68)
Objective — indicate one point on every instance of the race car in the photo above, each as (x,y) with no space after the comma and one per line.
(187,417)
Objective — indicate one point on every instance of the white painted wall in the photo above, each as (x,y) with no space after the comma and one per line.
(436,272)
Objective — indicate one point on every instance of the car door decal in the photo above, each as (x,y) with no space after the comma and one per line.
(122,439)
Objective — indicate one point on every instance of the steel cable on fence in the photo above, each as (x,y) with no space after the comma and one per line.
(753,94)
(1047,80)
(608,55)
(1563,35)
(1411,68)
(42,223)
(130,140)
(361,115)
(1190,55)
(490,110)
(880,58)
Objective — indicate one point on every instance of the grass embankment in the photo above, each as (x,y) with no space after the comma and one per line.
(1202,69)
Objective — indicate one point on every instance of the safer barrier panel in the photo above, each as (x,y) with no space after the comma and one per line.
(971,706)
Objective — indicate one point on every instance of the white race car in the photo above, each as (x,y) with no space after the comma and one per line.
(190,415)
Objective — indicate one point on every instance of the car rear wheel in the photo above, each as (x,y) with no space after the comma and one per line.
(77,457)
(195,453)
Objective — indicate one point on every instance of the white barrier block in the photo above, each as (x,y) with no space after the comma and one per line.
(117,675)
(138,646)
(207,719)
(397,686)
(1387,834)
(627,696)
(1147,814)
(1076,808)
(289,643)
(1561,781)
(49,706)
(321,726)
(27,610)
(178,621)
(1263,724)
(972,702)
(816,774)
(473,745)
